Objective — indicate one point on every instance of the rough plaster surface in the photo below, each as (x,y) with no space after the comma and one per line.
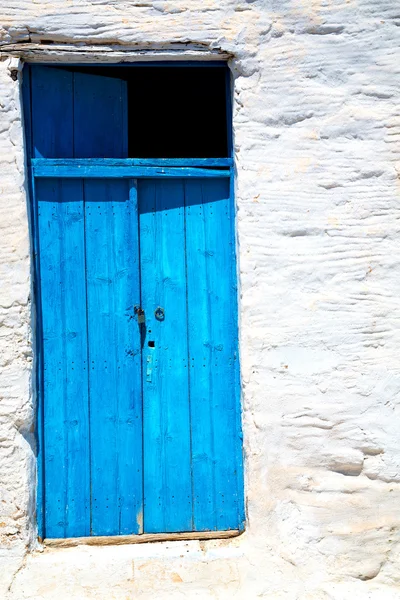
(317,136)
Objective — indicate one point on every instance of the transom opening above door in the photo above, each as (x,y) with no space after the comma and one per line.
(178,111)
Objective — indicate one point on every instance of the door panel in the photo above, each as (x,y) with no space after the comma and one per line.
(92,396)
(52,112)
(190,419)
(166,417)
(78,115)
(100,117)
(112,270)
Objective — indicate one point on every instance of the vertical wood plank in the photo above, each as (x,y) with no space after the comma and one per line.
(241,519)
(100,117)
(52,110)
(212,353)
(100,130)
(166,423)
(114,356)
(65,393)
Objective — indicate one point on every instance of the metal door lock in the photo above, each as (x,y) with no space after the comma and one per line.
(139,312)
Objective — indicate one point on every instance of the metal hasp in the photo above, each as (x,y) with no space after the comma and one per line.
(149,368)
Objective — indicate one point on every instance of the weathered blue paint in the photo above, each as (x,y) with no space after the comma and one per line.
(133,162)
(87,486)
(112,280)
(132,413)
(52,113)
(234,274)
(187,249)
(124,171)
(166,405)
(77,115)
(65,390)
(100,117)
(212,332)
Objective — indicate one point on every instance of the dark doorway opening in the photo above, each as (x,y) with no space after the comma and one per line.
(175,111)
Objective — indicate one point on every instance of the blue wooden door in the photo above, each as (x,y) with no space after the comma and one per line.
(188,281)
(139,414)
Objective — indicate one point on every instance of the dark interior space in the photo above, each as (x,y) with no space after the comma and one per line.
(175,111)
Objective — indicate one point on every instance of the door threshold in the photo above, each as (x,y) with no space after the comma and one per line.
(119,540)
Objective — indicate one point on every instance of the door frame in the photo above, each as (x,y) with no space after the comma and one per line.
(132,168)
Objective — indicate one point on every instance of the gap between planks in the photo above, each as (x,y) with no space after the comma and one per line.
(119,540)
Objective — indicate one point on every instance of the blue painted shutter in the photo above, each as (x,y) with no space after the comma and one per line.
(89,274)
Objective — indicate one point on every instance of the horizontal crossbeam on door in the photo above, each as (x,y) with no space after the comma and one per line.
(136,162)
(131,168)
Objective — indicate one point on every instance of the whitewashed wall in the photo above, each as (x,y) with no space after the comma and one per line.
(317,136)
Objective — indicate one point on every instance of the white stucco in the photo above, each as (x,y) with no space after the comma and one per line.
(317,136)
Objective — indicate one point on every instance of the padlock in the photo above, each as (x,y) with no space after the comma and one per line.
(139,312)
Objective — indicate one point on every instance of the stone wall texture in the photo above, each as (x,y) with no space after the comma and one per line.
(317,137)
